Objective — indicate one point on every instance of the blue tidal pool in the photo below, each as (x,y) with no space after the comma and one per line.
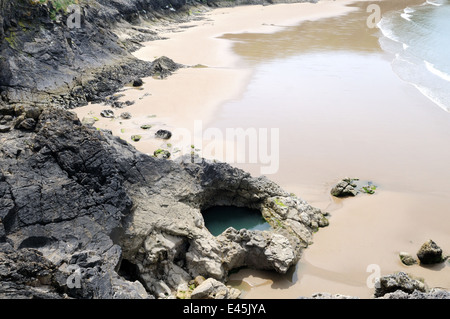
(219,218)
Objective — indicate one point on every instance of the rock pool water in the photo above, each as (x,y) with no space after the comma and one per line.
(219,218)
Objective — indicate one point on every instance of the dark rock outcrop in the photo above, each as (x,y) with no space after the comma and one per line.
(164,134)
(88,202)
(430,253)
(45,59)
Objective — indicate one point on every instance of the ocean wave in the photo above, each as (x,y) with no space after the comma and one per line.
(432,96)
(414,37)
(430,67)
(437,4)
(386,29)
(406,16)
(420,75)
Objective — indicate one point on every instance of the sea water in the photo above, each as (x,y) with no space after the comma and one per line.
(419,38)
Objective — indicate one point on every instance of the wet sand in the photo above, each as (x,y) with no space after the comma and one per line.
(341,111)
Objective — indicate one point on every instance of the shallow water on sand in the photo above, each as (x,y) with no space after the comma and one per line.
(329,87)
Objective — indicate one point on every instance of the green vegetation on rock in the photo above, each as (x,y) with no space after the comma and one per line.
(136,138)
(369,189)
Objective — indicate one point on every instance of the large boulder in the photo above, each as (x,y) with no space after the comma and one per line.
(164,66)
(345,188)
(398,281)
(430,253)
(434,293)
(214,289)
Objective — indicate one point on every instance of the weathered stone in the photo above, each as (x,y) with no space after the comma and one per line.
(214,289)
(407,259)
(164,66)
(164,134)
(161,153)
(88,121)
(125,115)
(398,281)
(5,128)
(27,124)
(136,138)
(107,113)
(138,82)
(434,293)
(199,280)
(430,253)
(345,188)
(24,271)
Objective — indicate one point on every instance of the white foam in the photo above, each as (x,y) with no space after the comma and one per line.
(437,72)
(386,30)
(430,95)
(406,16)
(434,3)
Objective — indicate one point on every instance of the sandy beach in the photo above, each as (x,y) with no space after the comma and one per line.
(343,113)
(194,94)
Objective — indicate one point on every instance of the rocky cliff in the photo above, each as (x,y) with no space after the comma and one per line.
(71,52)
(68,53)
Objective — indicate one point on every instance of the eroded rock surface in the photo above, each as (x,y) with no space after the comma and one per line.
(402,286)
(90,203)
(430,253)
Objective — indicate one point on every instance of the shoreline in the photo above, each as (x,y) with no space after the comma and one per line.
(225,71)
(194,94)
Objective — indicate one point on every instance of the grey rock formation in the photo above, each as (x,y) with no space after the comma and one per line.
(26,274)
(163,67)
(214,289)
(434,293)
(398,281)
(395,286)
(346,187)
(407,258)
(46,60)
(115,223)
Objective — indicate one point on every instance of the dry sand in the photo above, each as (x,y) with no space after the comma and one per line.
(412,203)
